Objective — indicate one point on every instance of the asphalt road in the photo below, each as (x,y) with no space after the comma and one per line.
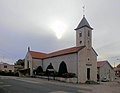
(12,85)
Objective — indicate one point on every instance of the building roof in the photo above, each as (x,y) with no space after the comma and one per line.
(116,69)
(102,63)
(37,54)
(83,23)
(40,55)
(65,51)
(2,63)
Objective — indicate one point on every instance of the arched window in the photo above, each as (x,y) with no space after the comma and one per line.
(38,70)
(62,68)
(50,66)
(28,64)
(80,34)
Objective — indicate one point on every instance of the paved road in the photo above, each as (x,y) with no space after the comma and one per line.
(18,85)
(35,85)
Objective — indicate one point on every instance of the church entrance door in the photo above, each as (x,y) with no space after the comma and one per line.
(88,73)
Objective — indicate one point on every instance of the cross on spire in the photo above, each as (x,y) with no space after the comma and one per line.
(83,11)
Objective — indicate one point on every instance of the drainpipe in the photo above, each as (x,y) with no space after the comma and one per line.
(42,63)
(32,68)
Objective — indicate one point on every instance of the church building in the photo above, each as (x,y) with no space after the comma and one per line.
(81,59)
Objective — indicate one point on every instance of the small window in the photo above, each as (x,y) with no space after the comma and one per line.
(80,42)
(88,59)
(5,66)
(80,34)
(28,64)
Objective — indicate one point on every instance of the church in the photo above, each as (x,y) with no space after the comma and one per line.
(80,60)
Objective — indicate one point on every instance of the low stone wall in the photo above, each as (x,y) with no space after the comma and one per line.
(68,80)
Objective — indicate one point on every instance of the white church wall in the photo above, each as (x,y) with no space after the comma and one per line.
(29,63)
(87,59)
(28,59)
(81,66)
(36,63)
(94,65)
(69,59)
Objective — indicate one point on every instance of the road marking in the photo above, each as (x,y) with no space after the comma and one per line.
(84,91)
(59,92)
(3,77)
(5,85)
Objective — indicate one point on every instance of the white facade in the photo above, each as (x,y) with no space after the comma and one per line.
(69,59)
(106,71)
(32,63)
(87,60)
(81,60)
(6,67)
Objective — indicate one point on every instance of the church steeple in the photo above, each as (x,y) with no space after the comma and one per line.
(84,34)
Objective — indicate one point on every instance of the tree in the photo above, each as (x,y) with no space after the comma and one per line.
(20,62)
(50,69)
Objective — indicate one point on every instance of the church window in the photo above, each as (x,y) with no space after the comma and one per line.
(27,64)
(38,70)
(80,42)
(88,59)
(62,68)
(88,33)
(80,34)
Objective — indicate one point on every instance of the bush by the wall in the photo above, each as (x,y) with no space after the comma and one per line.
(6,73)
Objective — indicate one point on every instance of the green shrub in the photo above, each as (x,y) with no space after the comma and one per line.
(6,73)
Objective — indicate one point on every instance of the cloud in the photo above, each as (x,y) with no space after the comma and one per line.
(26,23)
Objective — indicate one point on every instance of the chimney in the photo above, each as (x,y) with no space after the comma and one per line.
(28,49)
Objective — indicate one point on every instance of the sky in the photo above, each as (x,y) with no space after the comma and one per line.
(48,25)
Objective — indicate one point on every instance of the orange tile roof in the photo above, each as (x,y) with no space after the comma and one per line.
(56,53)
(37,54)
(64,51)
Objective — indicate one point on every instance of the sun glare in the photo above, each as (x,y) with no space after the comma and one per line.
(59,28)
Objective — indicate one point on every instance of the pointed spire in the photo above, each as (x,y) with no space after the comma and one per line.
(84,23)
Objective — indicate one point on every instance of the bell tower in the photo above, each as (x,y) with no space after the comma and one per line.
(84,34)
